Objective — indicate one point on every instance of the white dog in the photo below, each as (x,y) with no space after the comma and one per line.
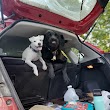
(33,53)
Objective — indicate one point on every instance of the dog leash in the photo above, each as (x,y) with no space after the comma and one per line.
(65,55)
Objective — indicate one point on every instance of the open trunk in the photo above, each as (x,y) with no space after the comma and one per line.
(38,90)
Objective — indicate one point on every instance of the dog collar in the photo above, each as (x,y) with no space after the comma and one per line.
(54,54)
(36,51)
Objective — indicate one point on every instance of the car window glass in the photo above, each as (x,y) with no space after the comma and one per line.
(67,8)
(13,46)
(79,55)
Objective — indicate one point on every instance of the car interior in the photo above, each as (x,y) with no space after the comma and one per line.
(86,68)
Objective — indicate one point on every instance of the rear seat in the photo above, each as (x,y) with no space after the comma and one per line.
(33,89)
(30,88)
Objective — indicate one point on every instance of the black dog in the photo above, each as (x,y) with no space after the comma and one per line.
(52,53)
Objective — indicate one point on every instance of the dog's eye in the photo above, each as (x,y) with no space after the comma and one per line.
(34,41)
(40,40)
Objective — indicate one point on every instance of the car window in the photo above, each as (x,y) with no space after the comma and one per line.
(73,9)
(13,46)
(77,54)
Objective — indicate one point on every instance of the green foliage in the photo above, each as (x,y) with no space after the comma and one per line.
(100,35)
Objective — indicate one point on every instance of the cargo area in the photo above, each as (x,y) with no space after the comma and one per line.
(33,90)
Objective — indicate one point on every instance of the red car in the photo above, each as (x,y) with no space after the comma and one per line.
(87,67)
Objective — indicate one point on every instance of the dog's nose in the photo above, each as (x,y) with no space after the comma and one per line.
(39,44)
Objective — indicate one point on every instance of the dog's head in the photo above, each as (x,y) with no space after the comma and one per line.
(53,41)
(37,42)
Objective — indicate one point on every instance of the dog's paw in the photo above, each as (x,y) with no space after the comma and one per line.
(44,67)
(36,72)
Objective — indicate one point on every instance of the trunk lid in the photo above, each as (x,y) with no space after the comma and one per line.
(73,15)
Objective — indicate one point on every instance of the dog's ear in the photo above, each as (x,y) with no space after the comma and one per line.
(42,37)
(62,41)
(31,39)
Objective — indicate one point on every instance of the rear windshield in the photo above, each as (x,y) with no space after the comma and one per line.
(75,10)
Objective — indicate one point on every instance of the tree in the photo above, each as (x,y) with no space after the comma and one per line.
(100,35)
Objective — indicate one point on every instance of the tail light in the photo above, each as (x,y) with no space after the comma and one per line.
(6,100)
(7,103)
